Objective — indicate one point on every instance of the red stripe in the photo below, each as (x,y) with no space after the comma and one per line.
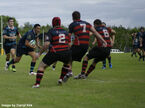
(78,27)
(80,32)
(84,42)
(85,37)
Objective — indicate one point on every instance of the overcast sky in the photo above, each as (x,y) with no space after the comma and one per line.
(129,13)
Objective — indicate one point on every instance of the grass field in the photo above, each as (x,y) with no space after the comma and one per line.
(120,87)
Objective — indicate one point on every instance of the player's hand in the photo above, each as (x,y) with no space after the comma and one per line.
(140,45)
(112,43)
(104,44)
(13,37)
(33,46)
(93,43)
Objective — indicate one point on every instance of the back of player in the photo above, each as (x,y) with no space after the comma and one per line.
(59,46)
(98,53)
(57,40)
(81,30)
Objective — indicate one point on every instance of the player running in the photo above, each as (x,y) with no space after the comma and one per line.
(98,53)
(81,30)
(10,34)
(143,44)
(26,46)
(58,42)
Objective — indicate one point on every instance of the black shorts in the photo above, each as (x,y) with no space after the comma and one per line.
(20,51)
(136,46)
(8,48)
(50,57)
(99,53)
(143,47)
(78,52)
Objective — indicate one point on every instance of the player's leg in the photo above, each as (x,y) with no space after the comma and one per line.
(7,52)
(54,65)
(104,64)
(109,60)
(139,53)
(40,73)
(13,53)
(92,67)
(33,62)
(48,59)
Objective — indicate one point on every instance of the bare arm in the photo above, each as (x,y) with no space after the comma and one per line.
(44,48)
(98,36)
(38,43)
(19,35)
(8,37)
(112,36)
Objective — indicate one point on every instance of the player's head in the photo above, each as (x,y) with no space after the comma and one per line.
(37,28)
(56,22)
(142,29)
(76,15)
(97,22)
(103,23)
(10,21)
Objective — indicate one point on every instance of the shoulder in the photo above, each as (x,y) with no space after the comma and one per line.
(6,28)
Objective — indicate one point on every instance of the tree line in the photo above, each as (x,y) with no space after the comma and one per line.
(123,39)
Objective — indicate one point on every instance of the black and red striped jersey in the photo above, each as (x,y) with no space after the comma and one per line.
(105,33)
(81,30)
(59,40)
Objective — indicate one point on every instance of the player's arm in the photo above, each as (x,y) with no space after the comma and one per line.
(69,40)
(8,37)
(112,36)
(98,36)
(44,47)
(38,43)
(140,41)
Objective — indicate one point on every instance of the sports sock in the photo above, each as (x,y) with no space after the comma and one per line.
(39,76)
(91,68)
(11,62)
(13,66)
(84,66)
(32,66)
(109,60)
(65,69)
(104,63)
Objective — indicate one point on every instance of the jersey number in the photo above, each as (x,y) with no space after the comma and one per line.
(84,27)
(106,34)
(61,38)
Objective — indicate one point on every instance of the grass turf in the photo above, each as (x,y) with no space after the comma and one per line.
(120,87)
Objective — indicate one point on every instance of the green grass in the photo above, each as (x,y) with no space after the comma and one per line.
(120,87)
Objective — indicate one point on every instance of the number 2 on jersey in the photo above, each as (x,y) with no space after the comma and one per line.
(61,38)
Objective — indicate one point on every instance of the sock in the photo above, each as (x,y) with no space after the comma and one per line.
(84,66)
(104,63)
(143,57)
(32,66)
(139,54)
(53,66)
(91,68)
(11,62)
(13,66)
(64,71)
(109,60)
(39,76)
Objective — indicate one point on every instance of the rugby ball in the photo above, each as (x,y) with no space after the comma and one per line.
(32,42)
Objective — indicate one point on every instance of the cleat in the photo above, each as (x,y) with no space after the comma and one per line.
(80,76)
(32,73)
(103,67)
(67,76)
(110,66)
(14,69)
(36,86)
(59,82)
